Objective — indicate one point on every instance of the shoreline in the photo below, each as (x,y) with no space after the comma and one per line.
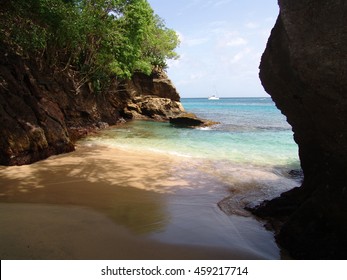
(98,197)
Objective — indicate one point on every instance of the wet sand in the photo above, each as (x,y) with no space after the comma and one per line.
(31,231)
(103,203)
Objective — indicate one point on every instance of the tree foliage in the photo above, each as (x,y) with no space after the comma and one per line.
(99,38)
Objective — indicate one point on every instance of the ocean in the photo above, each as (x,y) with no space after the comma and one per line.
(242,161)
(251,131)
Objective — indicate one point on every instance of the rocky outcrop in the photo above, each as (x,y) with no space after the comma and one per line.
(304,70)
(190,120)
(152,97)
(157,85)
(43,111)
(150,107)
(42,114)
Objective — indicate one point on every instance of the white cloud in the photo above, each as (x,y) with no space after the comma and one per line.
(231,39)
(192,42)
(220,39)
(197,76)
(238,41)
(192,78)
(240,55)
(236,58)
(252,25)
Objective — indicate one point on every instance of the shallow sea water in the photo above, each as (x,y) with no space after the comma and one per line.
(251,150)
(240,162)
(161,184)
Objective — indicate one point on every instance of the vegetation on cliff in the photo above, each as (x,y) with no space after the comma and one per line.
(100,39)
(65,68)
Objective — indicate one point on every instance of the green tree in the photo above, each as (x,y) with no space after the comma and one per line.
(102,39)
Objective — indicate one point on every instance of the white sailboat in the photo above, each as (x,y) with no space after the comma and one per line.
(213,97)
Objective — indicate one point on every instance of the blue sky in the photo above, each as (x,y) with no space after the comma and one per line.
(221,44)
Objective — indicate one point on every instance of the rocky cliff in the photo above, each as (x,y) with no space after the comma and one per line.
(304,70)
(43,111)
(152,97)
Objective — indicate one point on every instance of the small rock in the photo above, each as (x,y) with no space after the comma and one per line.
(102,125)
(190,120)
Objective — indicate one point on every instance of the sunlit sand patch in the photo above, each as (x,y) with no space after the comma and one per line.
(115,167)
(147,193)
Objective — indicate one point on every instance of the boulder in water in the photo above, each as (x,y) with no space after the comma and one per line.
(190,120)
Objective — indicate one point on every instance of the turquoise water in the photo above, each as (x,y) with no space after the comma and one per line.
(251,151)
(217,171)
(194,196)
(251,131)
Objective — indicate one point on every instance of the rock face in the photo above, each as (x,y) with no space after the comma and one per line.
(149,107)
(304,70)
(43,112)
(156,85)
(152,97)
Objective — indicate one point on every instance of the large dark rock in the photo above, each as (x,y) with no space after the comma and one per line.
(190,120)
(43,111)
(32,124)
(304,70)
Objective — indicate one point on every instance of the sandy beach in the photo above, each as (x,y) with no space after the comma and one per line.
(31,231)
(103,203)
